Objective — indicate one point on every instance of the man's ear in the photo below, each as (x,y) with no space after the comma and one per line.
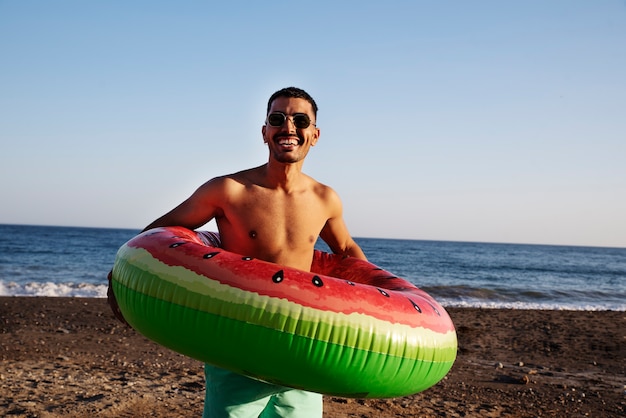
(316,138)
(263,134)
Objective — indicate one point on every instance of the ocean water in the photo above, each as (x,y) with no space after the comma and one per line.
(65,261)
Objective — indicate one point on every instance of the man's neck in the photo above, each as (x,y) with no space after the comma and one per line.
(283,176)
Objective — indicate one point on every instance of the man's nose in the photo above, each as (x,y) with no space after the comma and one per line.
(289,125)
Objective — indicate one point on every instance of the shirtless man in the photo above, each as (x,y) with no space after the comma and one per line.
(274,212)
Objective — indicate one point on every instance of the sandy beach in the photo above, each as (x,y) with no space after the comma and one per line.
(69,357)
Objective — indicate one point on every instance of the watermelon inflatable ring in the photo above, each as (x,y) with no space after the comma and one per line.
(347,328)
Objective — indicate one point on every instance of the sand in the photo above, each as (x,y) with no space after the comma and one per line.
(69,357)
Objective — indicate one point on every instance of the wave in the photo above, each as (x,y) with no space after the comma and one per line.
(546,306)
(520,298)
(51,289)
(456,297)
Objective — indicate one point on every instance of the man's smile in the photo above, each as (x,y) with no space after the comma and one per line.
(287,141)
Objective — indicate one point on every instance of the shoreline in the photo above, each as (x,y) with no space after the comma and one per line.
(70,357)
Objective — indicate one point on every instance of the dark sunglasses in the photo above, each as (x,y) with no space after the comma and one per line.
(300,120)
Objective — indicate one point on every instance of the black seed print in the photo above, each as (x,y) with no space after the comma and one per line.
(176,244)
(434,309)
(382,292)
(317,281)
(350,283)
(247,258)
(278,277)
(417,308)
(210,255)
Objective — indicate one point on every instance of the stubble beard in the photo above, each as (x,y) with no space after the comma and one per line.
(289,157)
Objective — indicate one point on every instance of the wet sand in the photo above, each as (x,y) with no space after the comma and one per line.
(69,357)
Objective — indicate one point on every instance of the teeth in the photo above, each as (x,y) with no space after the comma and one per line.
(288,142)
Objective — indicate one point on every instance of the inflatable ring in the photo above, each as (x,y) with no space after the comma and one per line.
(347,328)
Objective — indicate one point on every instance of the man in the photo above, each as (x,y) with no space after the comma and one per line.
(273,212)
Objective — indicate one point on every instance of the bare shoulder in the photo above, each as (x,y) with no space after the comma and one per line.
(326,194)
(243,178)
(322,190)
(231,182)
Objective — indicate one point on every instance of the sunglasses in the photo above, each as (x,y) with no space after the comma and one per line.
(300,120)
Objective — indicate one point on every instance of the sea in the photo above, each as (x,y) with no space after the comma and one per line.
(70,261)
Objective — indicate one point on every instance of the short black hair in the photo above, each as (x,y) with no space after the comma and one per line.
(295,93)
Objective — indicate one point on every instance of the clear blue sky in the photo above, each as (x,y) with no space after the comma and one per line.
(494,121)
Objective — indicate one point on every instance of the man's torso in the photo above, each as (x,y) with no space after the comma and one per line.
(272,224)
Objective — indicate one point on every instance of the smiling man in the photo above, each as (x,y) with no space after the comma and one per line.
(275,213)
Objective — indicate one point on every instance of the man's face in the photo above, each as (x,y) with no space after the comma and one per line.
(288,143)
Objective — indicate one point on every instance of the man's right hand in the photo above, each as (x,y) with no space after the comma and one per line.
(113,302)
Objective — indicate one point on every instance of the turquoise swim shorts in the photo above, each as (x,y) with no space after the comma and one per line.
(230,395)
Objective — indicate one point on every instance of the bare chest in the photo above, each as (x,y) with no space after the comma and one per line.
(274,226)
(290,217)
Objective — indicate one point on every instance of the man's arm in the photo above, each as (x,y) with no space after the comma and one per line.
(195,211)
(335,232)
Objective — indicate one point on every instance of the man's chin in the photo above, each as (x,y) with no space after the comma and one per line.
(287,158)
